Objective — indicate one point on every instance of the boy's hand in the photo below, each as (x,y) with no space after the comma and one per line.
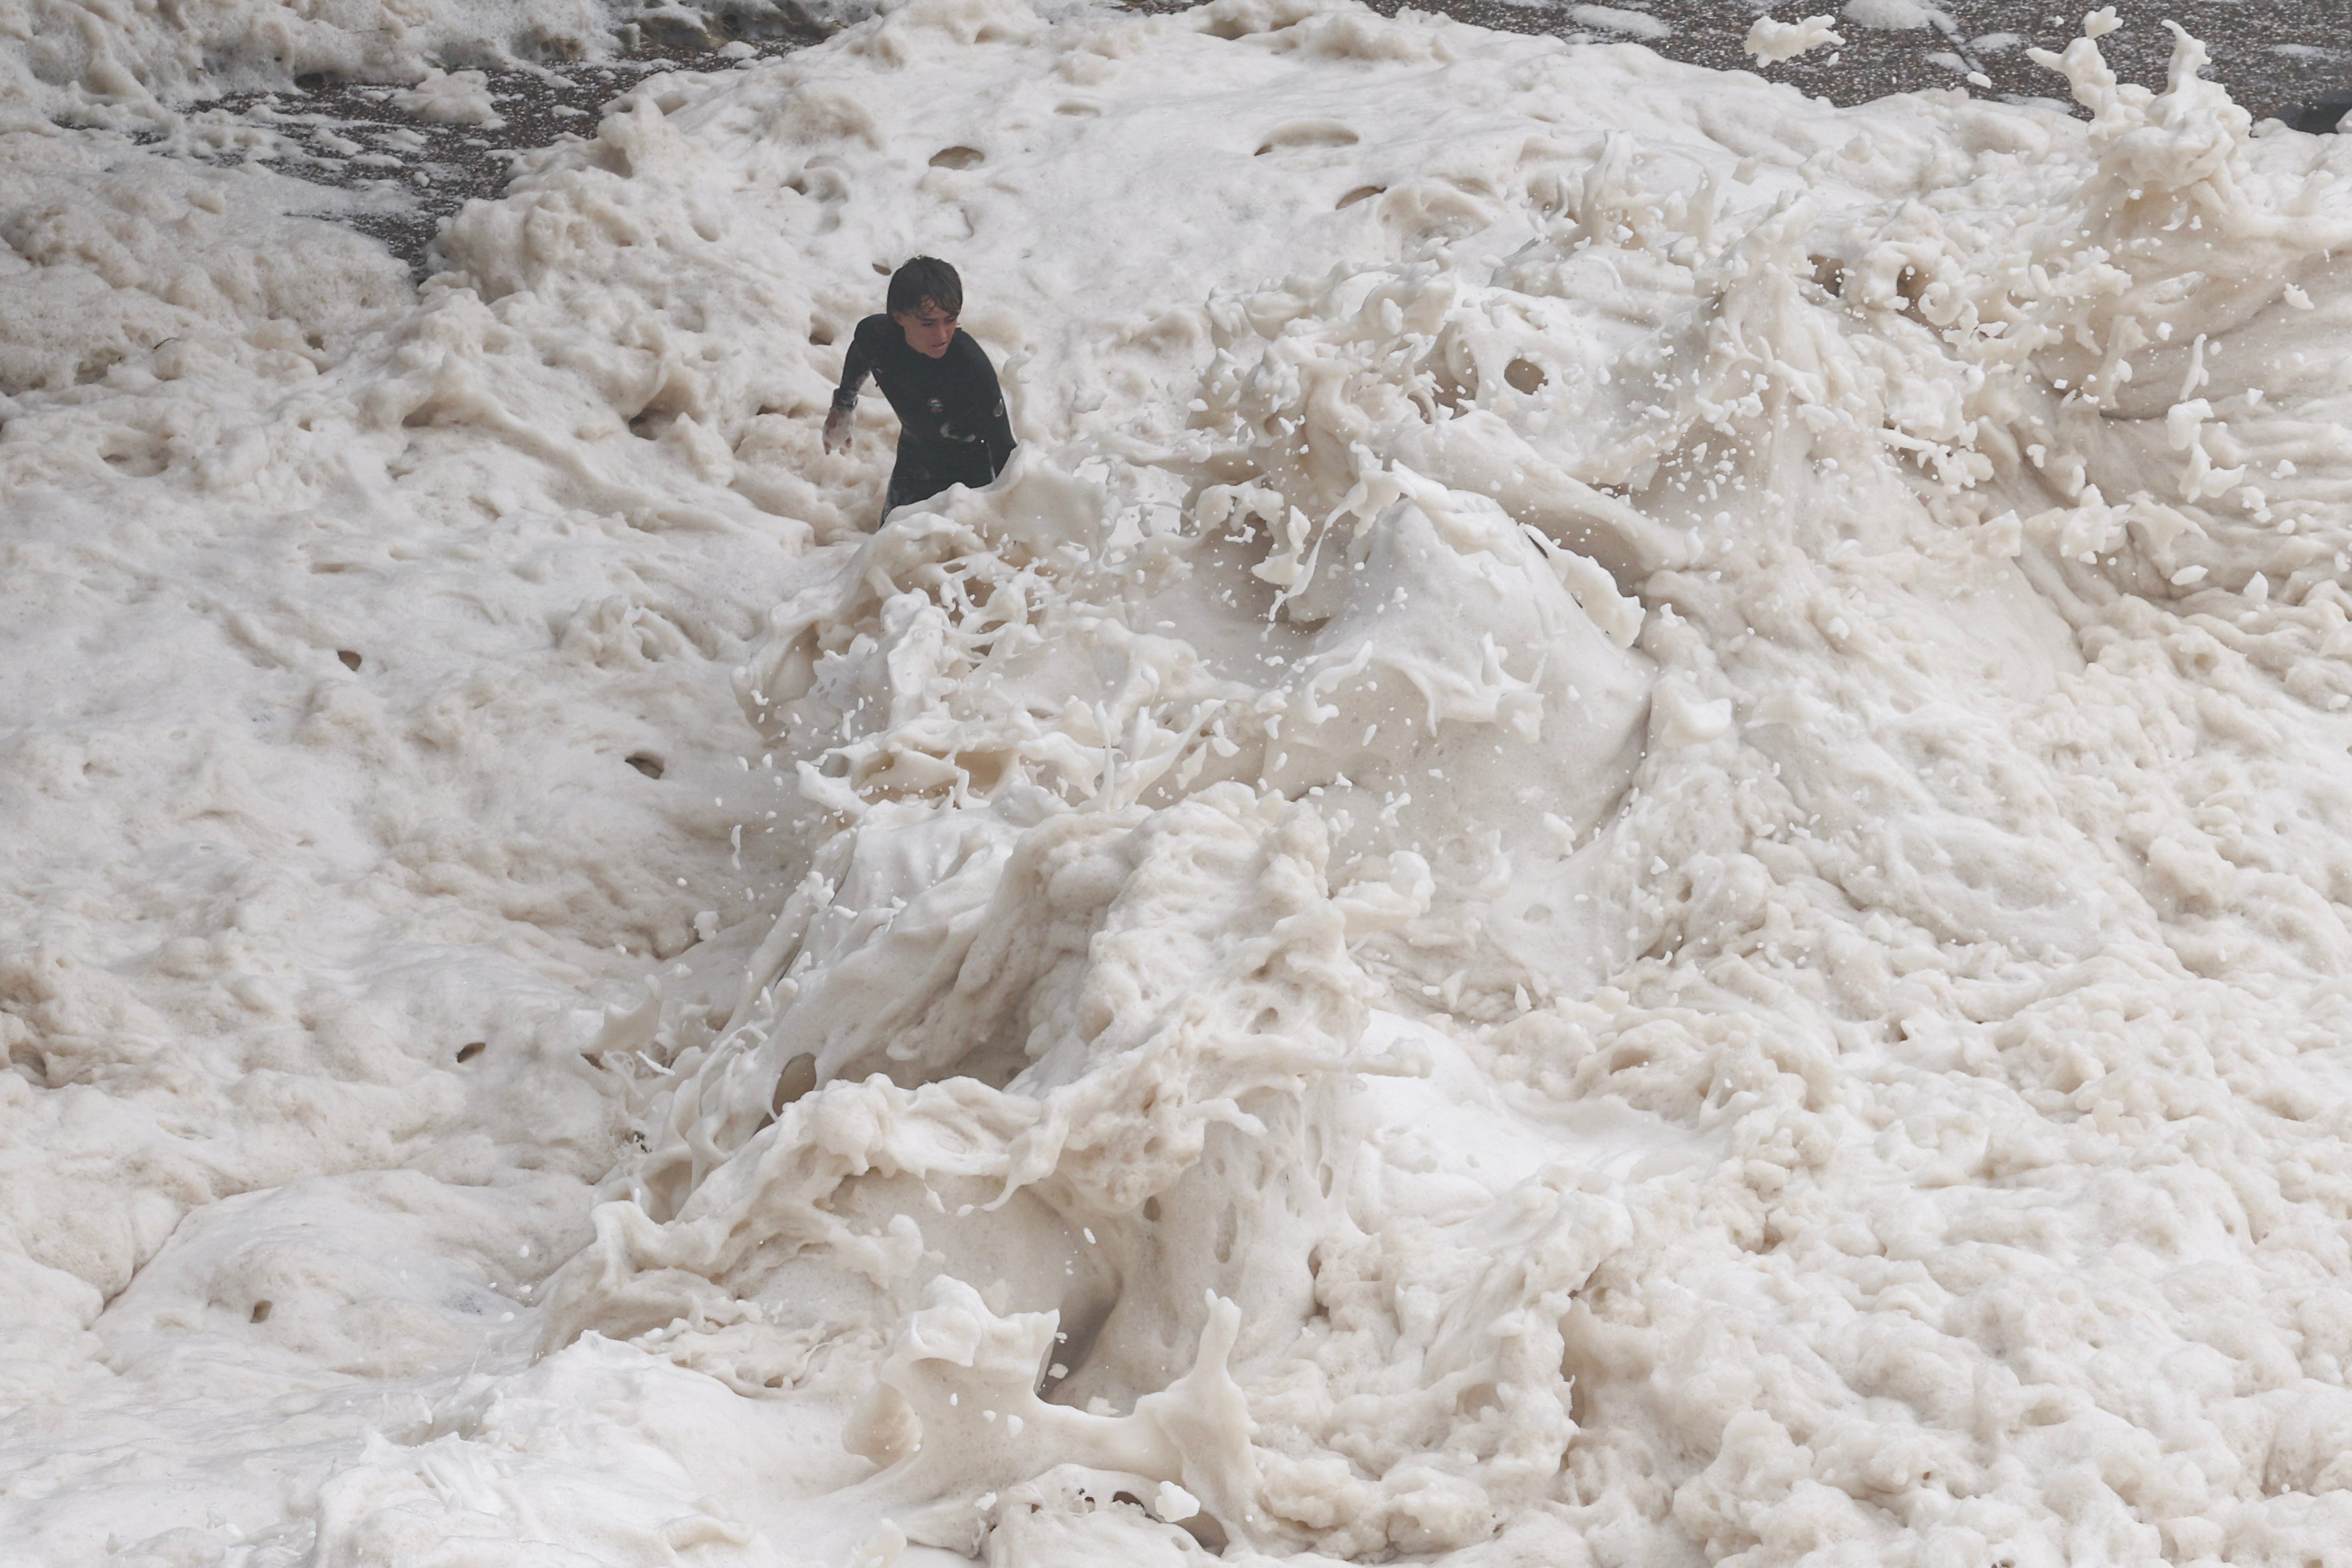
(837,430)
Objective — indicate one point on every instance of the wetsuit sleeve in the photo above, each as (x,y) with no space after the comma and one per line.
(855,366)
(996,431)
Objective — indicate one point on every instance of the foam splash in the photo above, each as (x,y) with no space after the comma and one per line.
(1614,848)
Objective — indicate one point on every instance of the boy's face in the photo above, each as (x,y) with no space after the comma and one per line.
(929,328)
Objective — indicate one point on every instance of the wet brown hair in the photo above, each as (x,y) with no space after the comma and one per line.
(926,280)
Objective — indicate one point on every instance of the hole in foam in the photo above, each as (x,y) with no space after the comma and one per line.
(647,763)
(1082,1325)
(798,1077)
(138,465)
(958,157)
(1202,1528)
(1306,134)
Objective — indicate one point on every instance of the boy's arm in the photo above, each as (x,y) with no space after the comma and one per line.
(855,366)
(996,431)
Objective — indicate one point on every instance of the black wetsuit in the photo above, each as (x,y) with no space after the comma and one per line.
(952,428)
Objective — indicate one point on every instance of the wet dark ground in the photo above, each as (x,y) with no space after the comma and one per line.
(2280,59)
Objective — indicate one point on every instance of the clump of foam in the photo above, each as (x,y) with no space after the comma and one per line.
(128,64)
(461,97)
(1774,42)
(1899,15)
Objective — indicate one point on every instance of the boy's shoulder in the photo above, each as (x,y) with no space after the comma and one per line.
(965,348)
(876,330)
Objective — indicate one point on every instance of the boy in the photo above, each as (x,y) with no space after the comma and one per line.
(952,428)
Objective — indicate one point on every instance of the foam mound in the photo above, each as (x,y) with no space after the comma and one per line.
(1623,843)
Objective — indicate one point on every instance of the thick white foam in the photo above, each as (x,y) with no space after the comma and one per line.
(128,64)
(1621,845)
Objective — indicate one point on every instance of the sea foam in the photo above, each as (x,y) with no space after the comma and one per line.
(1623,843)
